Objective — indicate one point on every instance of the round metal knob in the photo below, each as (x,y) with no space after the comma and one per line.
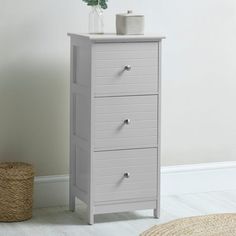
(127,68)
(127,121)
(127,175)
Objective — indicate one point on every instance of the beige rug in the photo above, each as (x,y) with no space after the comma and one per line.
(210,225)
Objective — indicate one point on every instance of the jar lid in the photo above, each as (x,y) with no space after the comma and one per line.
(130,13)
(16,170)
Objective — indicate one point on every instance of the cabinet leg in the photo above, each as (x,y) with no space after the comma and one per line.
(90,217)
(72,202)
(156,213)
(91,220)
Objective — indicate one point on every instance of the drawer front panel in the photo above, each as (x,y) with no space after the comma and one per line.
(111,78)
(125,122)
(110,168)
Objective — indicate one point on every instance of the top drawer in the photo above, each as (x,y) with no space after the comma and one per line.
(125,68)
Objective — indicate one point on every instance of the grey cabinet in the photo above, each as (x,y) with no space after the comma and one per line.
(115,123)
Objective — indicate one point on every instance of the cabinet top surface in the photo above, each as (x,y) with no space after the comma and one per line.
(117,38)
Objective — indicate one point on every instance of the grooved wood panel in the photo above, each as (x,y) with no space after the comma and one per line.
(112,133)
(111,78)
(109,169)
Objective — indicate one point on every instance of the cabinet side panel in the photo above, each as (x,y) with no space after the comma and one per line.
(80,122)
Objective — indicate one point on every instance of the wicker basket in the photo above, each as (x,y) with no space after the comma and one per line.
(16,190)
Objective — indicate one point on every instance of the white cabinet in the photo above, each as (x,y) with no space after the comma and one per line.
(115,123)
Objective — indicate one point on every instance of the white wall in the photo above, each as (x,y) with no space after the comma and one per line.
(198,77)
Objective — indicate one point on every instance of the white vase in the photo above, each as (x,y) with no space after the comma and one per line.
(96,24)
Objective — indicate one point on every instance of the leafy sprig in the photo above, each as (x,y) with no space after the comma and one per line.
(101,3)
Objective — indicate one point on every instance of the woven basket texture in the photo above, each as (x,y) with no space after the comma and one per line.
(209,225)
(16,191)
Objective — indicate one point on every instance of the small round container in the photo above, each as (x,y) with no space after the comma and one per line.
(129,24)
(16,191)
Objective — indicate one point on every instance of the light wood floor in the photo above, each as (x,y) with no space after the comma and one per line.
(60,222)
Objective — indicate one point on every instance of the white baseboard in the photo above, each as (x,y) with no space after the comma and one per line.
(51,191)
(208,177)
(183,179)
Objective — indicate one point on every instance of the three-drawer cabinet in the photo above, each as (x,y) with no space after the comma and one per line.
(115,123)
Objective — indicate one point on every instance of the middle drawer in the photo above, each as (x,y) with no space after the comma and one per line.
(126,122)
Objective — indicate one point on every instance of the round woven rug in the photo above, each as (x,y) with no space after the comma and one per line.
(209,225)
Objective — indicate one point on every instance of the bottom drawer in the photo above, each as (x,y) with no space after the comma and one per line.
(125,174)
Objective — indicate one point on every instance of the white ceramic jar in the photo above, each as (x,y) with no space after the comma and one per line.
(129,24)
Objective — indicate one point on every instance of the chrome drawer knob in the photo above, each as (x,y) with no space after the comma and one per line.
(127,175)
(127,68)
(127,121)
